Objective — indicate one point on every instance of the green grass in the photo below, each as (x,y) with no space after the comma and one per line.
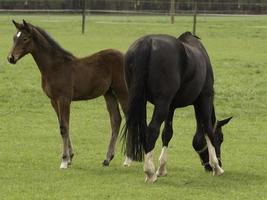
(30,143)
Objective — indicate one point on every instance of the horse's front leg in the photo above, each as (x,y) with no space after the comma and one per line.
(62,108)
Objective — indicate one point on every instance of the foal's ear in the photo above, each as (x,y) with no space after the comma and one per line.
(26,26)
(17,25)
(224,121)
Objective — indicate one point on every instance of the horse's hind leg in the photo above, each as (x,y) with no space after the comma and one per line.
(159,115)
(166,137)
(115,121)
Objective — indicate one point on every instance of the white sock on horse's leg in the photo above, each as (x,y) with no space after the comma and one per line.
(149,168)
(217,170)
(162,171)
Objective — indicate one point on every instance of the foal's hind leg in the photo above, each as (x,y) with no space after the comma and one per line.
(166,137)
(159,115)
(71,154)
(123,100)
(115,121)
(62,108)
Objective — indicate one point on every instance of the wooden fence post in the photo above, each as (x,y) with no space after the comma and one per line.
(195,17)
(172,10)
(83,15)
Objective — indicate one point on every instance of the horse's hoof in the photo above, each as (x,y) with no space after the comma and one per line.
(161,173)
(218,171)
(208,168)
(151,179)
(64,165)
(106,163)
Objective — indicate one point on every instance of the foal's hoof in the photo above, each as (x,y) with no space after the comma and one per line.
(64,165)
(105,163)
(127,162)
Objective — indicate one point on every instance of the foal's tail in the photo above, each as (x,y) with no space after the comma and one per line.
(136,71)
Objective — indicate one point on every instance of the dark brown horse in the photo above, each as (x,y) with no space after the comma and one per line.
(66,78)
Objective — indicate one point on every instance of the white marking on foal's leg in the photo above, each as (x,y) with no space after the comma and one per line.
(162,171)
(217,170)
(127,162)
(65,156)
(149,168)
(64,164)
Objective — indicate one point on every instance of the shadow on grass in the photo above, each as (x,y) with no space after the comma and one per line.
(229,181)
(181,177)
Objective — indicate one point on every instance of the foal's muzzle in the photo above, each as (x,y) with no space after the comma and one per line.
(11,59)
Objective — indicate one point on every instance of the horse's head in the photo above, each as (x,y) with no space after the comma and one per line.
(200,145)
(22,42)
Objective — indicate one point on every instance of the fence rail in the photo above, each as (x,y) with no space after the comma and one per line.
(137,6)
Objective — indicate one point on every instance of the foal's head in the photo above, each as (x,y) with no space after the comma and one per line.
(22,42)
(218,140)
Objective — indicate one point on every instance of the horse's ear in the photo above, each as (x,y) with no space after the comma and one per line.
(26,26)
(17,25)
(223,122)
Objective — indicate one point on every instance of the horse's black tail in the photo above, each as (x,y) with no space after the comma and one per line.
(136,70)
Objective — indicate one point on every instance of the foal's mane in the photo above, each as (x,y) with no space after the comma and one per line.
(55,46)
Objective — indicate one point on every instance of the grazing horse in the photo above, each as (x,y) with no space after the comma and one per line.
(66,78)
(170,73)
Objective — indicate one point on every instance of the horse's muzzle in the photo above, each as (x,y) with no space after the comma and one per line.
(11,59)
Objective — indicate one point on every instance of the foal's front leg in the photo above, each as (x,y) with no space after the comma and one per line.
(62,108)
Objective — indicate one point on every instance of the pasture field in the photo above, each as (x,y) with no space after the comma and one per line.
(30,143)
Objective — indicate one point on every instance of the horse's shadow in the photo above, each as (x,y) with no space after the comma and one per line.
(230,180)
(180,177)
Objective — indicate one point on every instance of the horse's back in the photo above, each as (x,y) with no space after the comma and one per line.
(177,68)
(94,75)
(198,76)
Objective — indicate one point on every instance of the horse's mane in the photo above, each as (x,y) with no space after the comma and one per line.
(187,34)
(55,46)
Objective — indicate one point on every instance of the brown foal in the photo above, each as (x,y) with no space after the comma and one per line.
(66,78)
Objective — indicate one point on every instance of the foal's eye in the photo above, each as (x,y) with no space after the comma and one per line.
(25,39)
